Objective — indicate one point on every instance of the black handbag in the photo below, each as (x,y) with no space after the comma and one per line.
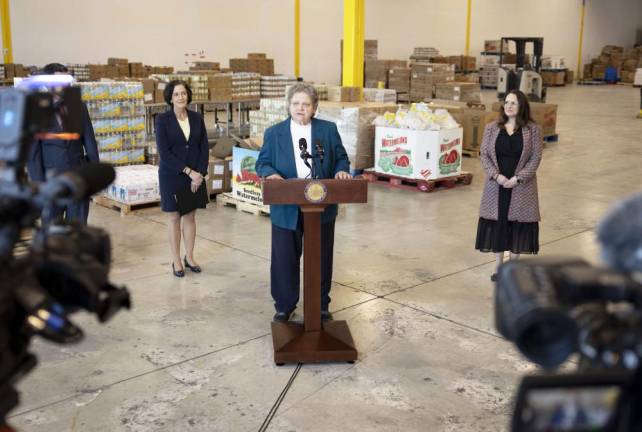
(188,201)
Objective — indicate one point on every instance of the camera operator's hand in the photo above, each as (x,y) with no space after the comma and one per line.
(501,179)
(510,183)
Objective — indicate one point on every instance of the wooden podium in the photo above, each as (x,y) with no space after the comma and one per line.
(313,341)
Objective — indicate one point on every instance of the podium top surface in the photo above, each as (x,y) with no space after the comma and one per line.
(315,192)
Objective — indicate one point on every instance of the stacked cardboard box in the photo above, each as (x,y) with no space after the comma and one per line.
(471,77)
(424,54)
(271,111)
(631,61)
(322,91)
(79,71)
(14,70)
(255,62)
(370,49)
(399,79)
(424,76)
(492,46)
(246,85)
(379,95)
(611,57)
(345,94)
(220,87)
(458,91)
(118,118)
(219,175)
(488,75)
(553,62)
(377,71)
(462,62)
(2,71)
(553,78)
(354,122)
(275,85)
(544,114)
(205,67)
(137,70)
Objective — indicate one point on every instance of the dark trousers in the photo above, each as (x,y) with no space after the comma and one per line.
(74,212)
(285,280)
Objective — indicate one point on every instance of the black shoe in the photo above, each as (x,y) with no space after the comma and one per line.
(178,273)
(493,277)
(326,316)
(195,268)
(281,316)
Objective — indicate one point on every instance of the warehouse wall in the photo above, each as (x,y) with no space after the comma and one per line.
(161,32)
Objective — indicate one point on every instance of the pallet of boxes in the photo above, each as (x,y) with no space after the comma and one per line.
(353,116)
(605,67)
(631,63)
(417,149)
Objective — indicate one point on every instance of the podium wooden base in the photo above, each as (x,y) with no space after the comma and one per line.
(292,344)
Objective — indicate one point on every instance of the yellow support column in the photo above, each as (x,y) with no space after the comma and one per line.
(297,38)
(353,30)
(6,31)
(467,50)
(579,47)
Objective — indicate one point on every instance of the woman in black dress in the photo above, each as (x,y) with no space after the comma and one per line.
(181,139)
(510,154)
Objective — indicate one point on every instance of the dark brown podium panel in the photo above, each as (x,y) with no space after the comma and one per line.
(313,341)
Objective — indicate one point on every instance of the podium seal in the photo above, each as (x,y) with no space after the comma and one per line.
(315,192)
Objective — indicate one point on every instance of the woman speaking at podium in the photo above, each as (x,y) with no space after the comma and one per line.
(280,158)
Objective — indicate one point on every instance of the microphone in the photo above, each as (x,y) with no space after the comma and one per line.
(303,146)
(620,235)
(81,183)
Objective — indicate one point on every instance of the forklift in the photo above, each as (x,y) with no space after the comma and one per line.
(525,77)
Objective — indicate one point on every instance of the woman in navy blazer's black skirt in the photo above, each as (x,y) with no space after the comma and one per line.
(181,139)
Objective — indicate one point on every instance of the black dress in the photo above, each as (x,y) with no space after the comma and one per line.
(504,235)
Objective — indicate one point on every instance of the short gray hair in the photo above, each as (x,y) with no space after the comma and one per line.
(302,87)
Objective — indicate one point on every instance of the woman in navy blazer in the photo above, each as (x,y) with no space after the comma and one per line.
(181,139)
(279,159)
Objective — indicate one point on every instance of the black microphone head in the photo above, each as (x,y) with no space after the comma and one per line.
(620,235)
(85,181)
(303,144)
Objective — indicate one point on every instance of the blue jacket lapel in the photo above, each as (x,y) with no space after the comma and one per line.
(286,146)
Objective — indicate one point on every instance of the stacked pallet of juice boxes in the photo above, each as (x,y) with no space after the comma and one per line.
(118,117)
(272,111)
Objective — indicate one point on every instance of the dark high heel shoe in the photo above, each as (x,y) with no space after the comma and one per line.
(195,268)
(178,273)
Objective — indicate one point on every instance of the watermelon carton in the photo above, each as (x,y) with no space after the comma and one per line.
(418,154)
(246,184)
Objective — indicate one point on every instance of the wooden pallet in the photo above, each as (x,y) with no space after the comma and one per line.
(227,200)
(591,82)
(392,181)
(470,153)
(124,209)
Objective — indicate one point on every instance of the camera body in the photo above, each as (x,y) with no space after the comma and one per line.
(552,308)
(65,267)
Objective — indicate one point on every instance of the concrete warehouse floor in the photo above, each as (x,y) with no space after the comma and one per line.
(196,354)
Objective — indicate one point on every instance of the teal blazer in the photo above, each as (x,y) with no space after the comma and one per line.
(277,157)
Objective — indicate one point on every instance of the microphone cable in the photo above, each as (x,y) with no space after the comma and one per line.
(279,400)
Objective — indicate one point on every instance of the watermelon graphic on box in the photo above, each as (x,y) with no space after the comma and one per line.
(396,161)
(246,184)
